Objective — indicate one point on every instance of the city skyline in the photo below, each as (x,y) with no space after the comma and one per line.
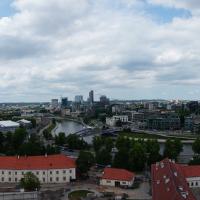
(124,49)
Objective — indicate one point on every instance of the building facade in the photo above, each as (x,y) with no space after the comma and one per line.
(8,126)
(117,177)
(48,169)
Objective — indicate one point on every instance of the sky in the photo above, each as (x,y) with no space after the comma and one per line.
(125,49)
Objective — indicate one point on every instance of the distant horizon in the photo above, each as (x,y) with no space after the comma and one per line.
(43,102)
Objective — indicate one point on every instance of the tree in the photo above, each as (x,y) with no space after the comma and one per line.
(123,143)
(196,146)
(30,182)
(173,148)
(152,149)
(74,142)
(47,135)
(60,139)
(103,157)
(137,158)
(18,137)
(121,159)
(97,143)
(84,161)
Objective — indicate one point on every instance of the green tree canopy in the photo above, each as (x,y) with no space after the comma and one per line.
(30,182)
(152,149)
(173,147)
(137,158)
(103,157)
(84,161)
(196,146)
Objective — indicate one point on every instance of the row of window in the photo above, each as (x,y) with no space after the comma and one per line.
(44,180)
(44,172)
(122,182)
(193,184)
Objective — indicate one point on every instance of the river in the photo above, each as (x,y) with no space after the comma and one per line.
(69,127)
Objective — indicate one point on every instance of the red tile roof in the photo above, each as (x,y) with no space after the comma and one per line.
(169,183)
(36,162)
(117,174)
(191,171)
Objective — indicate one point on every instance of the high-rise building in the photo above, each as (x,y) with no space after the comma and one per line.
(78,99)
(91,97)
(104,100)
(64,102)
(54,103)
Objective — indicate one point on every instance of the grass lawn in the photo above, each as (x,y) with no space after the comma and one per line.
(149,136)
(76,195)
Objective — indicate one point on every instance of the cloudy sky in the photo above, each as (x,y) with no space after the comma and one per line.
(125,49)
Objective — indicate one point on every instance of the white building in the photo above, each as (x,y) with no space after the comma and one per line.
(117,177)
(48,169)
(25,123)
(6,126)
(111,121)
(192,175)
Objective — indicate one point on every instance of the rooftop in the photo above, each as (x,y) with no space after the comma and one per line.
(168,182)
(36,162)
(117,174)
(8,123)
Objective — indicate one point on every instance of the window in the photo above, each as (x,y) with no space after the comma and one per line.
(64,178)
(70,171)
(196,183)
(43,179)
(123,182)
(64,171)
(2,172)
(15,179)
(9,179)
(57,179)
(9,173)
(51,179)
(22,173)
(37,173)
(2,179)
(50,172)
(57,172)
(15,173)
(192,183)
(108,181)
(44,173)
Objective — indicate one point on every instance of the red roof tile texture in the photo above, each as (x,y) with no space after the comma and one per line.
(117,174)
(191,171)
(36,162)
(169,183)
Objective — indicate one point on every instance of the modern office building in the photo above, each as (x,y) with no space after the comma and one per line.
(64,102)
(54,103)
(78,99)
(91,97)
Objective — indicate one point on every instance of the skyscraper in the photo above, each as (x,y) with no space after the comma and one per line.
(78,99)
(54,103)
(91,97)
(64,102)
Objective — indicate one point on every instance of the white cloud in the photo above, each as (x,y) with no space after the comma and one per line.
(54,47)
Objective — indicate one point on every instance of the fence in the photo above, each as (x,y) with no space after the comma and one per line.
(19,196)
